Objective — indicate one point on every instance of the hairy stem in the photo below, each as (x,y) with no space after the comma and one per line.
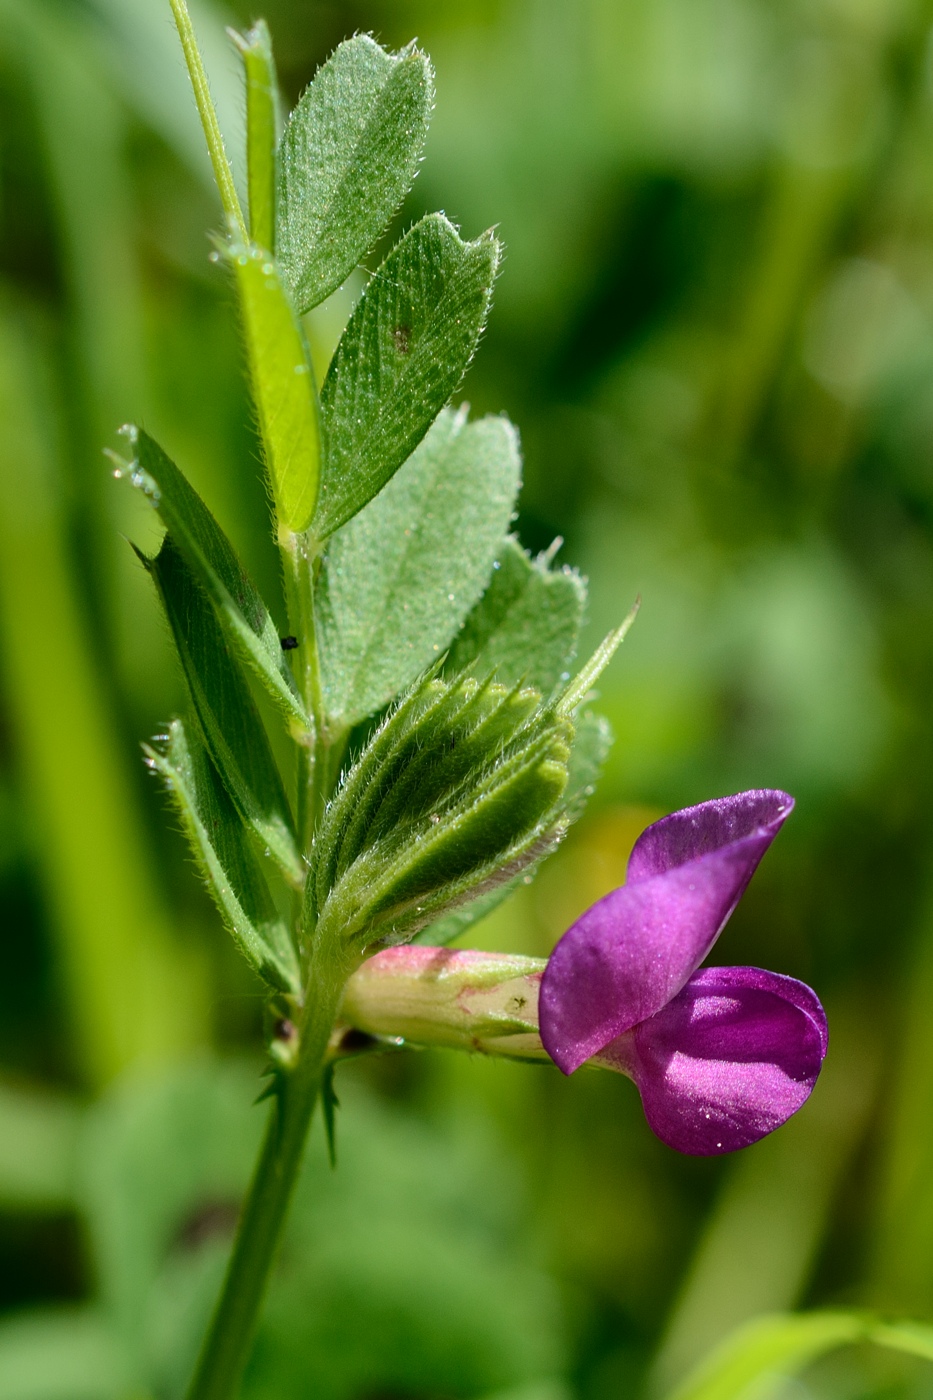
(202,96)
(313,751)
(227,1344)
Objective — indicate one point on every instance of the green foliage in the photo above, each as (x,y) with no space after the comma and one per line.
(283,385)
(112,926)
(393,515)
(458,790)
(399,579)
(715,326)
(262,123)
(403,353)
(579,687)
(591,743)
(405,1265)
(229,865)
(210,556)
(463,785)
(228,718)
(347,159)
(529,617)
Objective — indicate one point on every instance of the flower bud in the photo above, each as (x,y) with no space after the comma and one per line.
(457,792)
(486,1002)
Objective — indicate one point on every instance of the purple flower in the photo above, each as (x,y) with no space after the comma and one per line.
(721,1057)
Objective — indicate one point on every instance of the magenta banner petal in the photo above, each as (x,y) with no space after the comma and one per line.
(735,1053)
(631,952)
(705,829)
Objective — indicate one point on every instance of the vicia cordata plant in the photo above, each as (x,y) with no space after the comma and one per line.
(441,743)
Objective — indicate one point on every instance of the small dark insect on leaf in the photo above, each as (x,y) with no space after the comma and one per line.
(289,643)
(402,337)
(284,1029)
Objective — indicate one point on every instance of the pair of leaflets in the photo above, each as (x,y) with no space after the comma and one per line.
(396,509)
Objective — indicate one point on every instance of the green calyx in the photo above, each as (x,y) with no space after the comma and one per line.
(457,791)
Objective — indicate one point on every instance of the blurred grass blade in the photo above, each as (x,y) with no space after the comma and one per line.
(229,720)
(525,626)
(262,121)
(227,862)
(67,1354)
(761,1357)
(133,992)
(38,1144)
(283,386)
(760,1242)
(403,353)
(911,1338)
(211,557)
(347,159)
(83,130)
(399,579)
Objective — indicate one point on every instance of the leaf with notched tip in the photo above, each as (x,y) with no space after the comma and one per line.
(347,159)
(403,353)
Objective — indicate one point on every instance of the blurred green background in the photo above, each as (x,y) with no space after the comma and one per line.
(714,328)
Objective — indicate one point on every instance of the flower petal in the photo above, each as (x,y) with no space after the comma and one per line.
(633,950)
(735,1053)
(705,829)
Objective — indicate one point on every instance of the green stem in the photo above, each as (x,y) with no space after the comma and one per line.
(227,1345)
(202,96)
(313,753)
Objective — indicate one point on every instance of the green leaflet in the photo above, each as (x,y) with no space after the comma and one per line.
(229,720)
(593,739)
(399,579)
(283,385)
(262,121)
(403,353)
(225,857)
(760,1357)
(211,557)
(576,690)
(347,159)
(591,744)
(457,791)
(525,626)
